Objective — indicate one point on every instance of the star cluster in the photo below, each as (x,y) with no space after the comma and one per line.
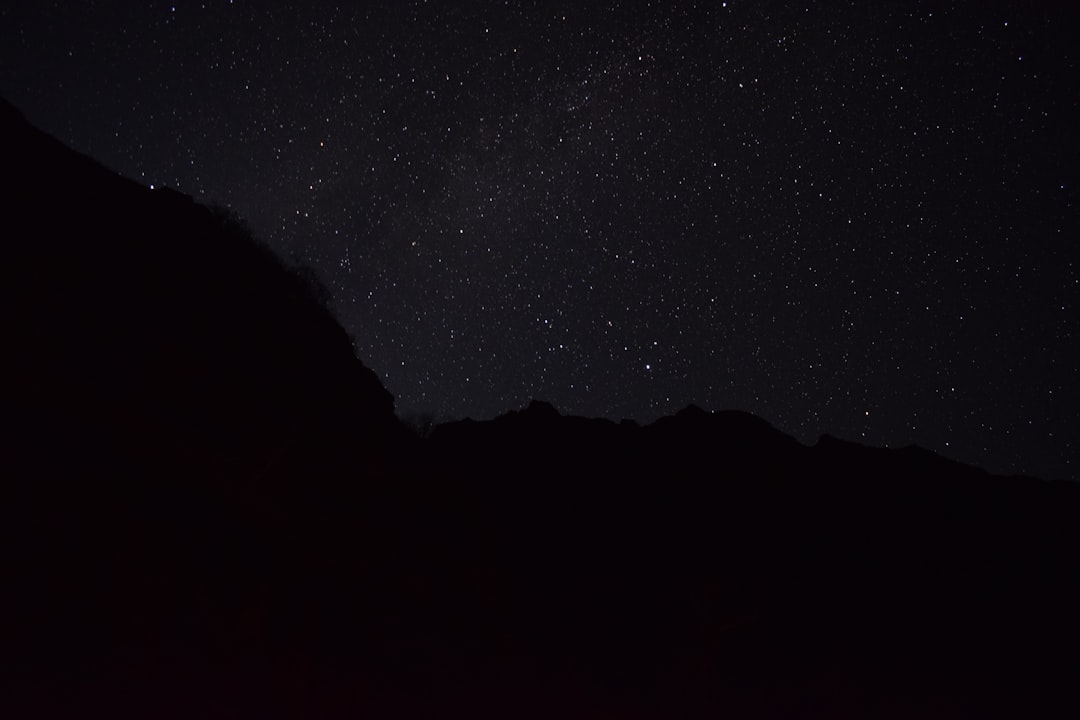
(850,218)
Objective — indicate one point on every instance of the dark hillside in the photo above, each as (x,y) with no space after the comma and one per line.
(209,509)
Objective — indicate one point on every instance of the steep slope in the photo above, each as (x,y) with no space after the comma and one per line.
(147,327)
(178,407)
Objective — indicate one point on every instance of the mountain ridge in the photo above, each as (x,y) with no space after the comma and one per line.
(211,509)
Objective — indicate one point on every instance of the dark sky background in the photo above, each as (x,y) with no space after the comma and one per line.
(854,218)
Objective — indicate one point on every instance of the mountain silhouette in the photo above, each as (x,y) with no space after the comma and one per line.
(210,509)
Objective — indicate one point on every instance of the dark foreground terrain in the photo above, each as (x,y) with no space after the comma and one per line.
(210,510)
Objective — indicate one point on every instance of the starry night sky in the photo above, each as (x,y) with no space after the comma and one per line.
(854,218)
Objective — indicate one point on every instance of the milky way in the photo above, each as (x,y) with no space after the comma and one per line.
(858,219)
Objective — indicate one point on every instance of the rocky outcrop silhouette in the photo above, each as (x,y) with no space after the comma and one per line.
(177,403)
(211,510)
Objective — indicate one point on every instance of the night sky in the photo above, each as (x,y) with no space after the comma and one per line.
(854,218)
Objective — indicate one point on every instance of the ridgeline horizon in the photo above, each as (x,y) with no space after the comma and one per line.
(211,508)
